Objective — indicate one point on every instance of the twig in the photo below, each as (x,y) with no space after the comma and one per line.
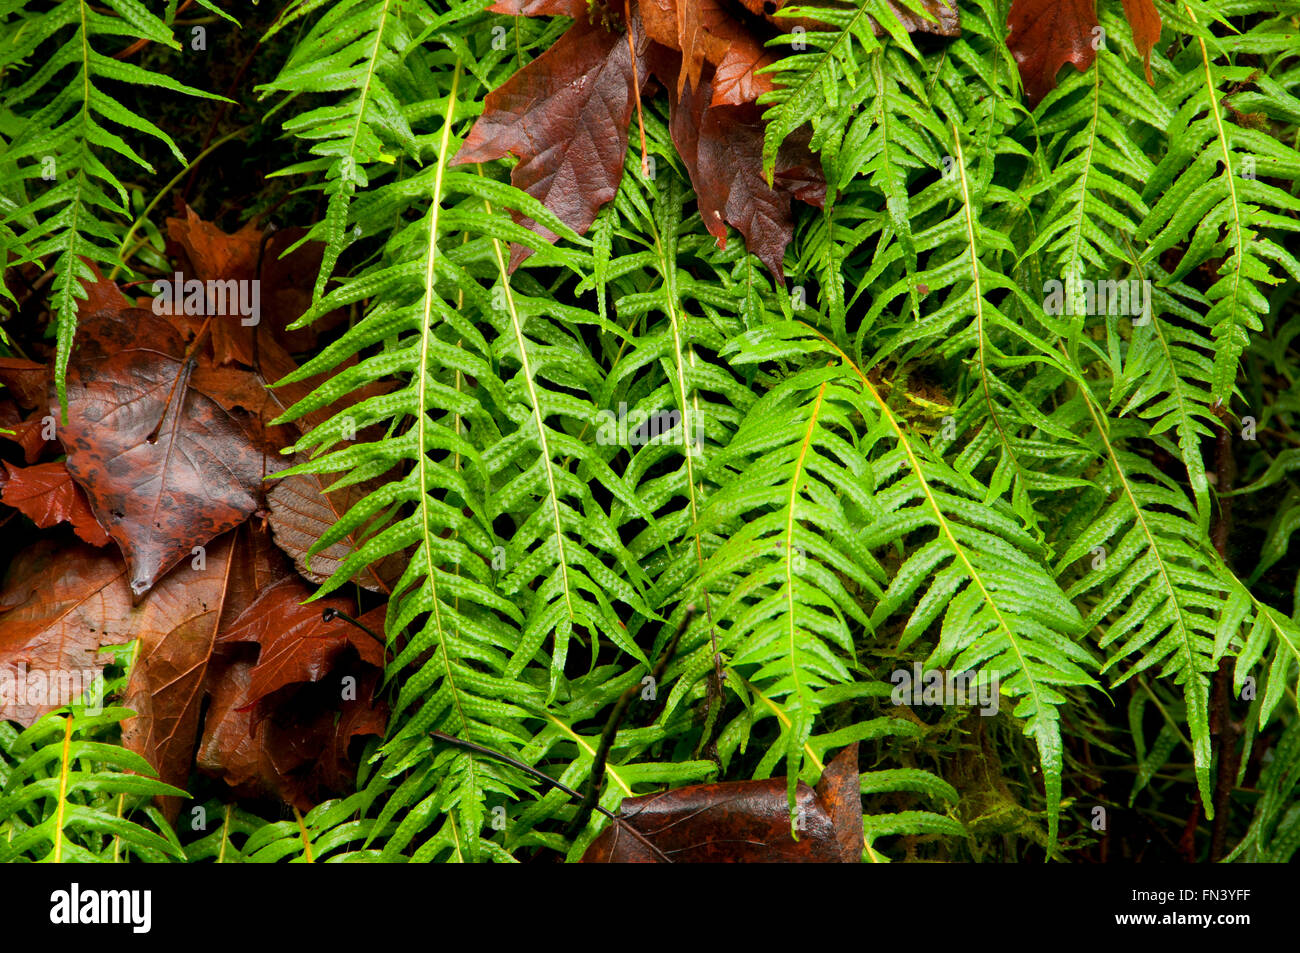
(615,720)
(547,779)
(330,613)
(636,91)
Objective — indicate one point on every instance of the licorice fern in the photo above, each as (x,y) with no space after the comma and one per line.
(930,448)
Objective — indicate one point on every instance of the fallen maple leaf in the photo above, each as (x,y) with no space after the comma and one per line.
(206,253)
(743,822)
(722,147)
(282,723)
(705,31)
(47,495)
(293,751)
(565,115)
(165,468)
(1047,34)
(257,565)
(1144,20)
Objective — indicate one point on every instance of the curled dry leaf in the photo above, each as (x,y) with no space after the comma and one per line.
(205,252)
(47,495)
(1144,19)
(704,31)
(282,723)
(722,147)
(743,822)
(296,750)
(166,469)
(566,115)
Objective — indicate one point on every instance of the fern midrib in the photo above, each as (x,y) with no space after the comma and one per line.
(1227,165)
(978,291)
(668,272)
(789,549)
(307,853)
(364,92)
(1074,261)
(527,370)
(65,769)
(421,418)
(1184,635)
(585,746)
(797,90)
(1140,518)
(1176,386)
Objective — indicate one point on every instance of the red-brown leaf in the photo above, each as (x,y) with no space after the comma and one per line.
(29,433)
(101,294)
(1145,21)
(945,12)
(157,499)
(292,751)
(26,380)
(690,40)
(177,628)
(743,822)
(710,33)
(303,509)
(59,604)
(565,115)
(47,495)
(541,8)
(205,252)
(722,147)
(297,645)
(1047,34)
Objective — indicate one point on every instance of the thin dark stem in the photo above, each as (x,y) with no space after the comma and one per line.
(590,800)
(330,614)
(550,781)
